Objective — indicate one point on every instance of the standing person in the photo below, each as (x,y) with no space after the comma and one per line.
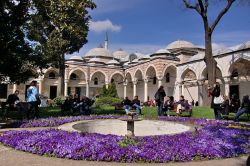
(159,98)
(215,103)
(32,99)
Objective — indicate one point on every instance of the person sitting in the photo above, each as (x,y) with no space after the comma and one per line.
(14,103)
(67,104)
(225,106)
(182,105)
(136,104)
(127,105)
(84,106)
(169,104)
(234,103)
(245,107)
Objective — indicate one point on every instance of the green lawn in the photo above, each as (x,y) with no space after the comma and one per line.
(148,113)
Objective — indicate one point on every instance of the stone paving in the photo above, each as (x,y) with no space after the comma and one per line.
(11,157)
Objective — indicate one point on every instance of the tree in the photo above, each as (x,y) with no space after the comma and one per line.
(59,27)
(17,63)
(201,7)
(111,91)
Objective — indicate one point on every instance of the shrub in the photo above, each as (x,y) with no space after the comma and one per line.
(101,101)
(57,101)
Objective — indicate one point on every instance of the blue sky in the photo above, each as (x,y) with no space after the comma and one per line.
(148,25)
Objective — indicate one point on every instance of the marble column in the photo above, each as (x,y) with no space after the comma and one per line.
(107,85)
(14,88)
(40,86)
(87,89)
(227,86)
(145,90)
(182,89)
(125,90)
(66,82)
(160,78)
(134,88)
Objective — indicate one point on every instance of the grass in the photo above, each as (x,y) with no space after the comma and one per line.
(148,113)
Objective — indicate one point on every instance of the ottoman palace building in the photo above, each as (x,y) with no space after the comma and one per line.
(179,67)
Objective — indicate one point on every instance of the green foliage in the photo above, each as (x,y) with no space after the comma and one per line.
(58,101)
(17,61)
(102,101)
(128,141)
(110,91)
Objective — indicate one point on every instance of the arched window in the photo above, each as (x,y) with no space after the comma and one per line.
(73,76)
(52,75)
(154,80)
(234,73)
(95,81)
(167,77)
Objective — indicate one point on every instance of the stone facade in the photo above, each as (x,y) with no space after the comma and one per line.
(179,68)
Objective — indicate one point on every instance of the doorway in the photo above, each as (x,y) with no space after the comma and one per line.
(53,92)
(234,89)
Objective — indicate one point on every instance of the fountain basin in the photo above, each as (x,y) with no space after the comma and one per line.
(119,127)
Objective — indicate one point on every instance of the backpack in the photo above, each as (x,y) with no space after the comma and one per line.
(157,96)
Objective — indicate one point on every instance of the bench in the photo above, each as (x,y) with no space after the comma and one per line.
(120,107)
(6,108)
(166,111)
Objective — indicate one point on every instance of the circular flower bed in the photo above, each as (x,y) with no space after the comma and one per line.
(217,139)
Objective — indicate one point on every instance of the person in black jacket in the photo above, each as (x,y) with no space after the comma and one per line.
(159,98)
(216,106)
(136,103)
(127,104)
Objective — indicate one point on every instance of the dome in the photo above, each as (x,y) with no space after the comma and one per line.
(120,54)
(139,55)
(135,61)
(145,57)
(245,45)
(95,60)
(162,51)
(180,44)
(113,62)
(76,58)
(103,52)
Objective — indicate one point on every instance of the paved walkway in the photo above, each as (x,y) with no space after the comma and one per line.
(11,157)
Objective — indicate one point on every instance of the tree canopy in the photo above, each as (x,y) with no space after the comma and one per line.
(38,33)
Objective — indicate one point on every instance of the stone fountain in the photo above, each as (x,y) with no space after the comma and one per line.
(131,124)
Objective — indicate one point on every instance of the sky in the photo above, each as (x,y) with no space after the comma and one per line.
(148,25)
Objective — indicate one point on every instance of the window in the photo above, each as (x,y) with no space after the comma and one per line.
(154,80)
(73,76)
(167,77)
(3,90)
(112,80)
(52,75)
(96,81)
(234,73)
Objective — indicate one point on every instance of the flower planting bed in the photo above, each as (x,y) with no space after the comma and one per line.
(216,139)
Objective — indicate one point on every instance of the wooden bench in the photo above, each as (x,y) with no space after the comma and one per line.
(6,108)
(167,111)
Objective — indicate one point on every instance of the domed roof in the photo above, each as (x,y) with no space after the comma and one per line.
(75,58)
(162,51)
(245,45)
(113,62)
(180,44)
(135,61)
(95,60)
(95,52)
(145,57)
(120,54)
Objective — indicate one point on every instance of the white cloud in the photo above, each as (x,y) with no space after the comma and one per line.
(105,25)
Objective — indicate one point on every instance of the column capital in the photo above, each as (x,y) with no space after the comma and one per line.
(135,81)
(146,80)
(160,77)
(66,81)
(125,83)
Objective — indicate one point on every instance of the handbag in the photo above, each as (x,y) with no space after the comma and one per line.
(218,100)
